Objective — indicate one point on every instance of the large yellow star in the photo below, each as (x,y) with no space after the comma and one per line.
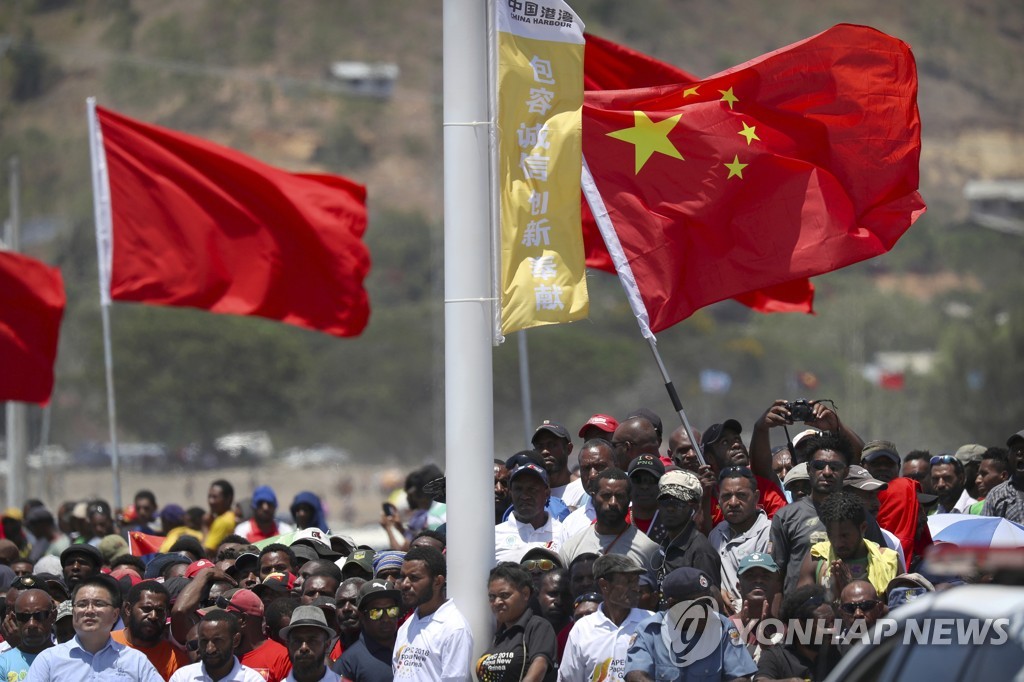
(729,97)
(748,132)
(690,91)
(736,168)
(649,137)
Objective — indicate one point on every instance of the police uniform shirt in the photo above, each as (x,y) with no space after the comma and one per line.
(649,653)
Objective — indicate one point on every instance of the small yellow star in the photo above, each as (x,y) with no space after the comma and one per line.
(690,92)
(727,96)
(736,168)
(748,132)
(648,137)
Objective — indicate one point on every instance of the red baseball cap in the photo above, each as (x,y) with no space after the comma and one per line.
(245,602)
(602,422)
(197,566)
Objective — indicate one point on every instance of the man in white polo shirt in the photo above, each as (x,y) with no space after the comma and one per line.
(529,525)
(435,642)
(597,644)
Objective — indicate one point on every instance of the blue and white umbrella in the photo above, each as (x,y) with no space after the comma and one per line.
(967,530)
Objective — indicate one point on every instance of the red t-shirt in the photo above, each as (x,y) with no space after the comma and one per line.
(270,660)
(769,498)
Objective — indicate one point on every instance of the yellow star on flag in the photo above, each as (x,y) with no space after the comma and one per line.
(736,168)
(649,137)
(729,97)
(748,132)
(688,92)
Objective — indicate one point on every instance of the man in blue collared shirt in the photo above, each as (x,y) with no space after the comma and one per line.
(91,653)
(705,646)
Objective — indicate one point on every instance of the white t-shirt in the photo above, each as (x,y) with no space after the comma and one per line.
(436,647)
(329,676)
(596,642)
(581,519)
(574,494)
(513,539)
(893,543)
(196,672)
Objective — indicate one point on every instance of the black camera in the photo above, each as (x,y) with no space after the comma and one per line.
(800,410)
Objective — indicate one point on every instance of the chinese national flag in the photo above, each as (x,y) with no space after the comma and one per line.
(797,163)
(142,545)
(31,307)
(610,66)
(199,225)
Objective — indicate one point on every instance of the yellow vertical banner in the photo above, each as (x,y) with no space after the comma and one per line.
(540,133)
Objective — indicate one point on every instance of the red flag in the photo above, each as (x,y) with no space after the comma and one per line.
(199,225)
(610,66)
(31,307)
(797,163)
(141,544)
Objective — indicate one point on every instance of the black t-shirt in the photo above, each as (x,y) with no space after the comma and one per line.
(783,662)
(365,661)
(516,647)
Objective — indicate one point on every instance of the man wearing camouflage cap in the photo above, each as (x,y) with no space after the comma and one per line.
(679,500)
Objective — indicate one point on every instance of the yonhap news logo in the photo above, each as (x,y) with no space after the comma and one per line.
(692,630)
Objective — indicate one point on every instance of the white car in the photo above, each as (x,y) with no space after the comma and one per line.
(970,632)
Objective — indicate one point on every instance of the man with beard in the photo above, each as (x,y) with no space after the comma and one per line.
(529,524)
(1007,498)
(644,474)
(552,442)
(219,634)
(309,639)
(435,642)
(611,533)
(679,495)
(949,482)
(145,616)
(96,602)
(369,659)
(796,526)
(33,617)
(596,456)
(745,528)
(346,604)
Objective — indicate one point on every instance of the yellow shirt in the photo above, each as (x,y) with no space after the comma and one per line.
(222,526)
(882,563)
(176,533)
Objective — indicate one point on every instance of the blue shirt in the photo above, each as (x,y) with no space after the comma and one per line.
(15,661)
(69,661)
(364,661)
(649,653)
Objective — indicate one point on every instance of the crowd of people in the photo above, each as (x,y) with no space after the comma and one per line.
(599,560)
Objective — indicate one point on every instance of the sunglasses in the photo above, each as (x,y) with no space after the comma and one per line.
(38,615)
(543,565)
(822,464)
(590,596)
(377,614)
(730,472)
(865,606)
(944,459)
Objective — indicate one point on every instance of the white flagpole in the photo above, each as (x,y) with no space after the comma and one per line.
(629,285)
(104,246)
(469,318)
(525,394)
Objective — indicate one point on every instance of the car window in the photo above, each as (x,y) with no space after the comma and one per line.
(869,668)
(929,662)
(997,661)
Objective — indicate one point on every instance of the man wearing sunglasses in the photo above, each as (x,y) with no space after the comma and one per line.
(33,617)
(860,608)
(369,659)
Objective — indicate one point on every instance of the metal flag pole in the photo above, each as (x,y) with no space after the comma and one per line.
(469,315)
(622,268)
(524,388)
(104,237)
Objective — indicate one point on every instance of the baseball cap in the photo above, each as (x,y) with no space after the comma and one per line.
(112,546)
(602,422)
(806,433)
(245,602)
(797,473)
(880,448)
(278,582)
(196,566)
(648,463)
(860,478)
(262,494)
(1009,441)
(538,552)
(378,588)
(172,513)
(648,414)
(684,582)
(64,610)
(609,564)
(360,561)
(971,452)
(910,580)
(307,617)
(84,550)
(715,431)
(155,568)
(528,468)
(553,427)
(757,560)
(680,484)
(244,565)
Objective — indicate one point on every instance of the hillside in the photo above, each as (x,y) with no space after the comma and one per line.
(252,74)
